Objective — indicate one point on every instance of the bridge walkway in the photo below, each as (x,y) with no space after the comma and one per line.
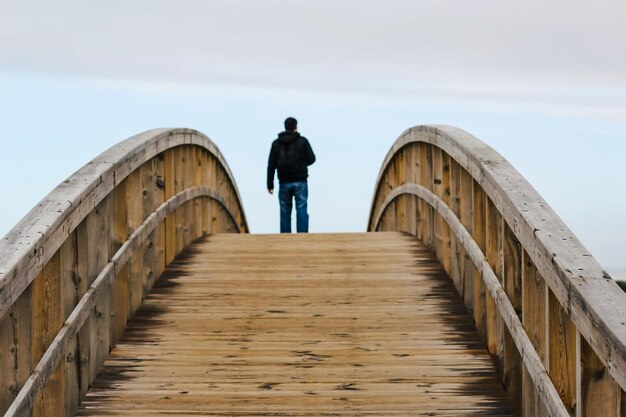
(300,325)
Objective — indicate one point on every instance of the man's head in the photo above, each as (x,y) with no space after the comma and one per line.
(291,124)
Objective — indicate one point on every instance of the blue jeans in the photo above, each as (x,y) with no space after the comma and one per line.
(286,194)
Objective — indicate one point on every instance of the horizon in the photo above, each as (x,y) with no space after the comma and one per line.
(76,78)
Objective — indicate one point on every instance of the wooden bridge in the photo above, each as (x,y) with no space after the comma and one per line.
(133,288)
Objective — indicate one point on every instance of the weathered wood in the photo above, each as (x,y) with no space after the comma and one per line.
(83,222)
(534,306)
(600,395)
(493,254)
(47,321)
(29,245)
(532,405)
(138,183)
(69,291)
(364,324)
(119,217)
(530,357)
(466,217)
(98,231)
(456,258)
(15,348)
(158,236)
(532,361)
(83,284)
(562,342)
(578,282)
(87,310)
(478,226)
(169,158)
(512,282)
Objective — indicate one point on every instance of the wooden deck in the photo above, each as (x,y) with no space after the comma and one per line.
(300,325)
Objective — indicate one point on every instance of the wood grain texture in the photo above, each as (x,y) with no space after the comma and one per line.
(592,299)
(544,389)
(300,325)
(28,247)
(600,395)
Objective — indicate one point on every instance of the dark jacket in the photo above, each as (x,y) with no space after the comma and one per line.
(291,154)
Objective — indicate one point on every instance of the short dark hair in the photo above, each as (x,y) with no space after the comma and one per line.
(291,124)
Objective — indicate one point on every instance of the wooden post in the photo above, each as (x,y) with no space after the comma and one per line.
(599,393)
(69,290)
(456,259)
(493,253)
(478,228)
(467,219)
(119,221)
(16,347)
(98,253)
(445,229)
(47,321)
(534,308)
(158,198)
(562,352)
(179,185)
(170,220)
(512,267)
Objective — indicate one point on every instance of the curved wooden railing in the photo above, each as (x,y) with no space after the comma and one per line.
(553,320)
(76,268)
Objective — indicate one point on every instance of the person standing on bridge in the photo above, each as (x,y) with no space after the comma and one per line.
(291,154)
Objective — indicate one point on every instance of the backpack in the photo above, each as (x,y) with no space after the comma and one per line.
(289,156)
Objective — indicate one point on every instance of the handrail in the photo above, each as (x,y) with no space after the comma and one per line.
(42,231)
(25,400)
(91,250)
(531,359)
(585,293)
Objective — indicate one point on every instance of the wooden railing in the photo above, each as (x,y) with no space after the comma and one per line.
(76,268)
(552,319)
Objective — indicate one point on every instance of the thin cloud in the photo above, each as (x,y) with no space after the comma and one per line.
(560,53)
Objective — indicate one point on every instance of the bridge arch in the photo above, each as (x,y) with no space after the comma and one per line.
(78,265)
(552,319)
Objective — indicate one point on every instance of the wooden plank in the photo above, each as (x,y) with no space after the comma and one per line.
(493,253)
(136,215)
(97,257)
(188,183)
(534,305)
(401,215)
(512,282)
(456,259)
(437,188)
(170,221)
(69,288)
(562,359)
(479,234)
(179,185)
(158,237)
(577,280)
(426,174)
(467,217)
(411,214)
(120,226)
(445,189)
(83,351)
(15,348)
(532,404)
(600,394)
(368,318)
(47,321)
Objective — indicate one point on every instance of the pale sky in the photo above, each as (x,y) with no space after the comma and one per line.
(544,83)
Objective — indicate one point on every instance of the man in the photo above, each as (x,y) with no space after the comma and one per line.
(291,154)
